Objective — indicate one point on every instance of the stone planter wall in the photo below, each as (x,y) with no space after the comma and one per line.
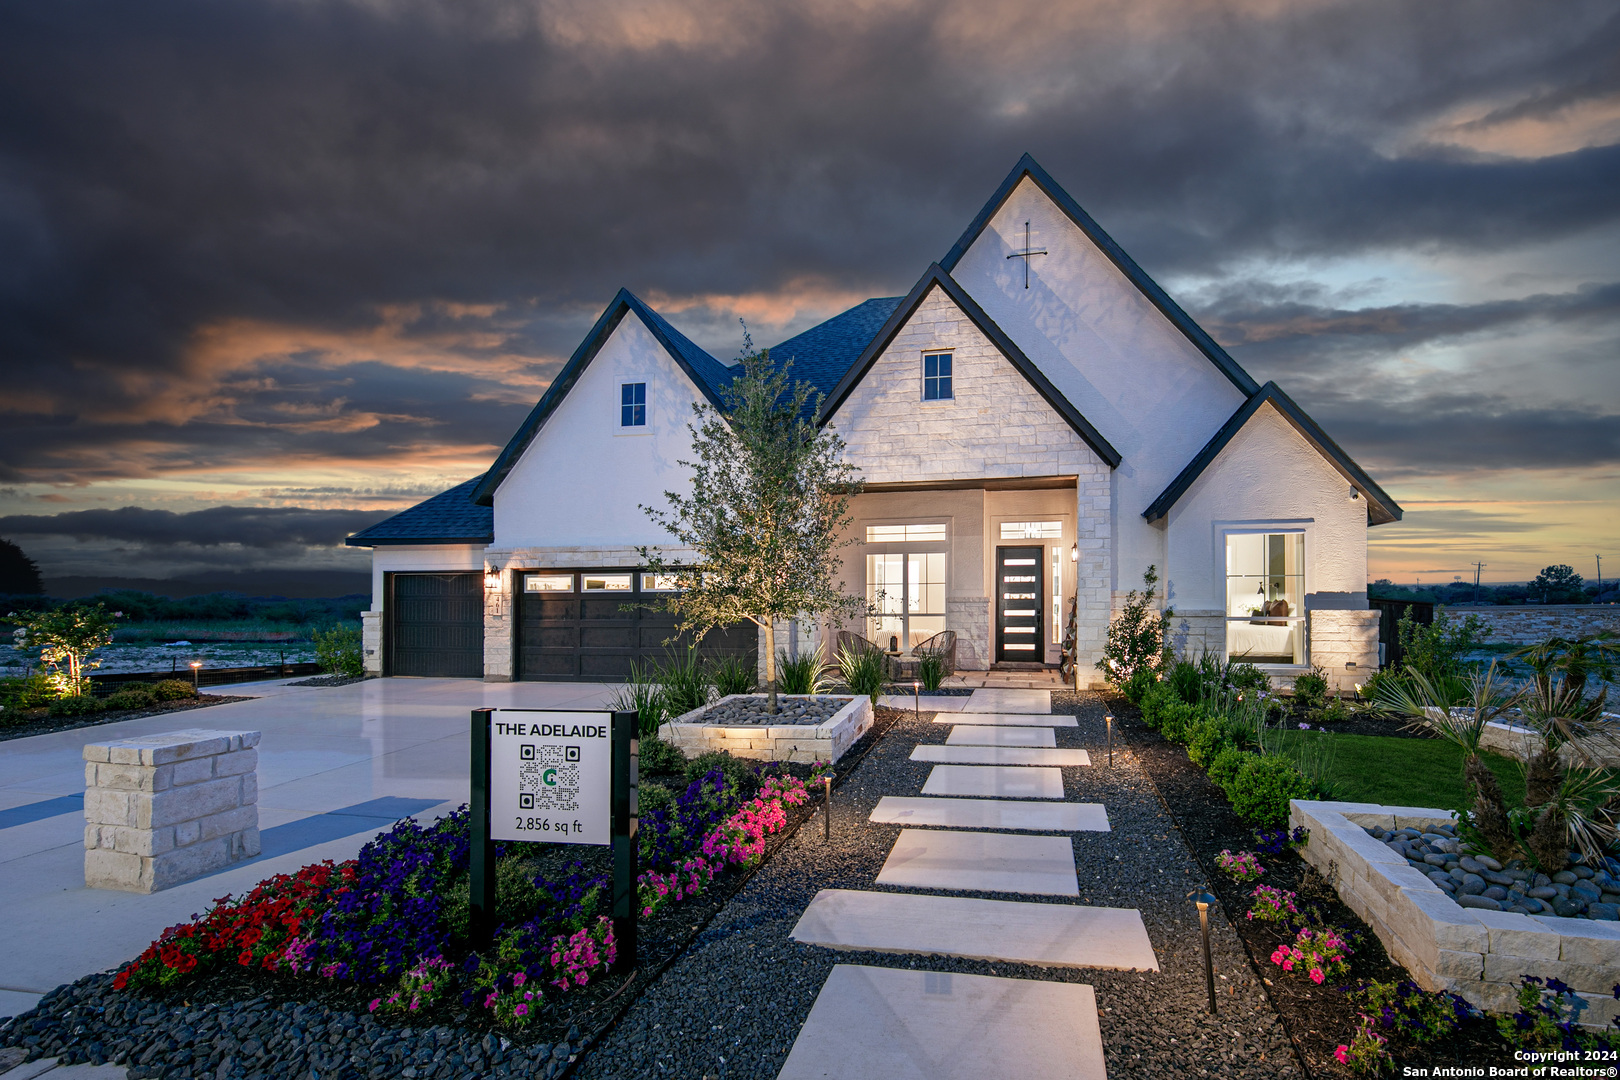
(1477,954)
(1524,744)
(787,742)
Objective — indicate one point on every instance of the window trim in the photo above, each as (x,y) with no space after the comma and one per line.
(948,379)
(645,426)
(1296,528)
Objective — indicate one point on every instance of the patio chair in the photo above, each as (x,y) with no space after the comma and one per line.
(852,643)
(942,645)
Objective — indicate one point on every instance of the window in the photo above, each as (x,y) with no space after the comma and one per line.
(890,534)
(659,583)
(1265,597)
(548,582)
(1057,595)
(633,404)
(937,377)
(908,590)
(608,582)
(1032,530)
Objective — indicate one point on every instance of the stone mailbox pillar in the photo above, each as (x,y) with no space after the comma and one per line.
(163,809)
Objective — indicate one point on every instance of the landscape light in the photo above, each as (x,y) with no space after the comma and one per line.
(916,699)
(196,677)
(826,808)
(1108,718)
(1203,898)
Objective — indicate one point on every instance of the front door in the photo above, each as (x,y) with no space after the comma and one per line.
(1018,605)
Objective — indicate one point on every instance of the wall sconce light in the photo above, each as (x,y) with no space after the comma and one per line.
(1074,553)
(1203,898)
(492,580)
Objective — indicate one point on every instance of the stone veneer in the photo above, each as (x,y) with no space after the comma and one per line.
(806,743)
(371,638)
(163,809)
(1478,954)
(1344,643)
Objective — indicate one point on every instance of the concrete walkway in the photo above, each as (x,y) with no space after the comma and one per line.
(336,765)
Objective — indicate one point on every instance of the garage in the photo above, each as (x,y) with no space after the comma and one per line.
(435,626)
(592,625)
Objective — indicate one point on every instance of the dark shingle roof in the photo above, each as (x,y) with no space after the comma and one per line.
(710,371)
(822,354)
(450,517)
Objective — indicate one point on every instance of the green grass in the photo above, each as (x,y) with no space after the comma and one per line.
(1406,772)
(221,630)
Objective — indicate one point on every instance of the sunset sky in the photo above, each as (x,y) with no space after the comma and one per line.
(271,269)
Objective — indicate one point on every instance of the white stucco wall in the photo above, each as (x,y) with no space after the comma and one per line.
(1128,370)
(438,558)
(1268,476)
(582,479)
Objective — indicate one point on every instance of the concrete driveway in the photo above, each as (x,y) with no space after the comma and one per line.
(336,765)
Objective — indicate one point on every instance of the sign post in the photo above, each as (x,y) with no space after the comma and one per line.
(560,778)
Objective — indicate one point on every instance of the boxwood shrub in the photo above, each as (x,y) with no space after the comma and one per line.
(131,697)
(173,690)
(1261,791)
(1224,769)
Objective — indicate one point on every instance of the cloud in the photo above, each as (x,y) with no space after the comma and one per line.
(238,526)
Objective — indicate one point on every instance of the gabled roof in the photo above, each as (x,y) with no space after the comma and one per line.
(450,517)
(707,374)
(822,354)
(938,278)
(1149,288)
(1381,509)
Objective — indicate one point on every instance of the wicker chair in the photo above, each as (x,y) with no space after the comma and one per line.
(942,645)
(852,643)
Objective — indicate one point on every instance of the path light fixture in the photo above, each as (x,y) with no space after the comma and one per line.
(1108,718)
(916,699)
(1204,898)
(196,676)
(826,808)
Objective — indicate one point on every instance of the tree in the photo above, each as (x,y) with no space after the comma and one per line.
(65,637)
(1138,638)
(769,500)
(18,573)
(1558,584)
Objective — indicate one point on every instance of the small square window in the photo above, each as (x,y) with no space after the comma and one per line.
(937,377)
(633,404)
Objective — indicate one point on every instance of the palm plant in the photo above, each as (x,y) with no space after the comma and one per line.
(1567,789)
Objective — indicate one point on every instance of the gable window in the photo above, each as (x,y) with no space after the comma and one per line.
(633,404)
(1265,597)
(937,377)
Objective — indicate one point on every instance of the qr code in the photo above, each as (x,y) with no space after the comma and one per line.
(548,778)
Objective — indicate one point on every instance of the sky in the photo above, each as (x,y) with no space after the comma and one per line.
(274,269)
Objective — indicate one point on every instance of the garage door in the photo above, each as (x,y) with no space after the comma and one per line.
(591,625)
(436,625)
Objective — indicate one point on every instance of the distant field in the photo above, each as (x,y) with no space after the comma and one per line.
(224,630)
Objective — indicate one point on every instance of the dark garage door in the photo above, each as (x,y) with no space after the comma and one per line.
(436,625)
(573,626)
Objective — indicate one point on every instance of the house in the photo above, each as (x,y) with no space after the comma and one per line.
(1037,423)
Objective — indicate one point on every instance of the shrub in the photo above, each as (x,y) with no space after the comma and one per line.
(685,682)
(653,797)
(1206,738)
(1177,718)
(1262,788)
(1186,680)
(131,697)
(931,671)
(735,675)
(1154,699)
(1407,1010)
(741,775)
(1310,689)
(173,690)
(1437,651)
(1247,679)
(658,756)
(1139,685)
(864,671)
(1223,770)
(32,691)
(338,651)
(1137,637)
(800,674)
(76,706)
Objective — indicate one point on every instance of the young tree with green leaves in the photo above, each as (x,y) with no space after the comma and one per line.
(64,638)
(769,500)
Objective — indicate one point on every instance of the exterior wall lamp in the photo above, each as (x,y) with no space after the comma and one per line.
(492,580)
(1074,553)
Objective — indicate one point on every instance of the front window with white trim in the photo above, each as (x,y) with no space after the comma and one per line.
(905,582)
(1265,597)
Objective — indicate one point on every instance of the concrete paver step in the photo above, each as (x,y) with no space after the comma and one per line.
(1049,935)
(1008,719)
(999,755)
(991,814)
(1012,701)
(988,735)
(927,1025)
(981,862)
(994,782)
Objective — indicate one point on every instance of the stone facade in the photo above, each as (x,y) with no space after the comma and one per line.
(1524,625)
(163,809)
(371,640)
(805,743)
(969,616)
(1478,954)
(1195,633)
(1344,643)
(1095,569)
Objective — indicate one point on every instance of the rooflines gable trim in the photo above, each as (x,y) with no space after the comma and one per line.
(1027,166)
(1381,509)
(624,303)
(938,278)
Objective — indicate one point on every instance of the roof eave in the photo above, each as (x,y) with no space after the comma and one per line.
(416,541)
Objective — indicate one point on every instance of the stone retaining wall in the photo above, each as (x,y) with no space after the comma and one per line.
(1529,624)
(163,809)
(1478,954)
(806,743)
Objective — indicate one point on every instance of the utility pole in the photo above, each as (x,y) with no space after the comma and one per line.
(1481,566)
(1599,559)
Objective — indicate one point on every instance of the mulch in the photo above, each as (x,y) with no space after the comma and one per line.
(1317,1018)
(40,722)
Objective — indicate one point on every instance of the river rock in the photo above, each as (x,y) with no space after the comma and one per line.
(1480,902)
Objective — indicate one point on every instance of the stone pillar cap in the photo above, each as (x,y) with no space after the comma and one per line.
(169,746)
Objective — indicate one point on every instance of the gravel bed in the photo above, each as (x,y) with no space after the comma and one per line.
(333,680)
(752,710)
(87,1021)
(732,1005)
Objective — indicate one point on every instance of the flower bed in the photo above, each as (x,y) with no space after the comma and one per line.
(392,923)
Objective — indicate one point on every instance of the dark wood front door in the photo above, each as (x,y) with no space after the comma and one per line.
(1018,605)
(435,625)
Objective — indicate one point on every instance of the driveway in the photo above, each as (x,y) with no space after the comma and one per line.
(336,765)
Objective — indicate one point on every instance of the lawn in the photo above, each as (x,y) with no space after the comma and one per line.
(1400,772)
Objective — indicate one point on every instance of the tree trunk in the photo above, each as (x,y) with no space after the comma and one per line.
(1490,809)
(1549,840)
(770,665)
(1544,778)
